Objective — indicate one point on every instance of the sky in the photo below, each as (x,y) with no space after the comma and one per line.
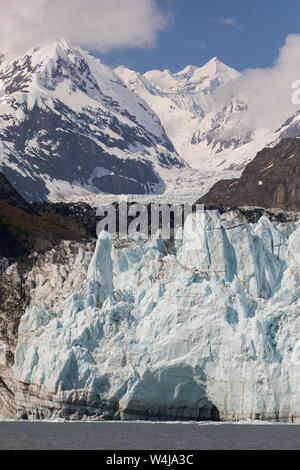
(261,38)
(155,34)
(243,34)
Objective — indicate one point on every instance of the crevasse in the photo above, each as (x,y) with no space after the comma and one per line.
(205,329)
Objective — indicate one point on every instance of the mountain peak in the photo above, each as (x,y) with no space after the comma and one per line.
(216,66)
(45,67)
(189,69)
(192,78)
(64,43)
(54,50)
(213,63)
(214,60)
(51,47)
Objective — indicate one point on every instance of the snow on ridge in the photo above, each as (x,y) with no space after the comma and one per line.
(191,78)
(203,116)
(84,99)
(186,105)
(44,61)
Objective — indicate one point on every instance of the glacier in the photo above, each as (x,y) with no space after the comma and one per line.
(198,328)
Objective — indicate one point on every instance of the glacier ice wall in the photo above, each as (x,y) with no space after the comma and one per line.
(206,328)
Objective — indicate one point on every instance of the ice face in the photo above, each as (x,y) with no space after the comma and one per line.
(206,330)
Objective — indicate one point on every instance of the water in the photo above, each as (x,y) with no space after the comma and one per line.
(144,436)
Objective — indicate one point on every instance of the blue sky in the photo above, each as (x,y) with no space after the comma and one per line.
(243,34)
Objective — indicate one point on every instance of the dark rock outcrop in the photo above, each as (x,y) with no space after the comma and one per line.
(25,228)
(12,197)
(271,180)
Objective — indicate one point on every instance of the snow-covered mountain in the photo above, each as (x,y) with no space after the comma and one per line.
(182,100)
(186,104)
(71,128)
(204,114)
(190,89)
(69,124)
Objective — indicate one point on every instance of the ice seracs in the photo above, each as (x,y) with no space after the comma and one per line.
(159,331)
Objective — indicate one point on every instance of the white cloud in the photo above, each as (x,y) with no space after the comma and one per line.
(268,91)
(95,24)
(230,22)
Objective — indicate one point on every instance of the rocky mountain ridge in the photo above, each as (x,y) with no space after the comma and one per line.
(26,228)
(270,180)
(68,123)
(211,123)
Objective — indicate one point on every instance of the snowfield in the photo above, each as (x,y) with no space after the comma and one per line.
(205,115)
(70,126)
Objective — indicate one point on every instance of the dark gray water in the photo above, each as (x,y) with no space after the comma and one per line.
(143,436)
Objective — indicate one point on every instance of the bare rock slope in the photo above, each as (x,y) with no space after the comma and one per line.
(271,180)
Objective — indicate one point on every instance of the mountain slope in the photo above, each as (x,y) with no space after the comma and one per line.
(210,122)
(26,228)
(271,180)
(11,196)
(198,125)
(67,122)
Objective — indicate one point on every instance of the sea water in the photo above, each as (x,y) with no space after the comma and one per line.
(147,435)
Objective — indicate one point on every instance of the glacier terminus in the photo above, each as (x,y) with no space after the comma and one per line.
(168,331)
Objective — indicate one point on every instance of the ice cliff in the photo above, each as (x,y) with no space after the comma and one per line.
(196,329)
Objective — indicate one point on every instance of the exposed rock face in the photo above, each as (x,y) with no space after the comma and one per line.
(207,329)
(10,246)
(12,197)
(25,228)
(272,179)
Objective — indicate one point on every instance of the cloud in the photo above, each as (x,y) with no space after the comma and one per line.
(268,91)
(230,22)
(99,25)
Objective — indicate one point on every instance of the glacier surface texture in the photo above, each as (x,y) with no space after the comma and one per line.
(203,329)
